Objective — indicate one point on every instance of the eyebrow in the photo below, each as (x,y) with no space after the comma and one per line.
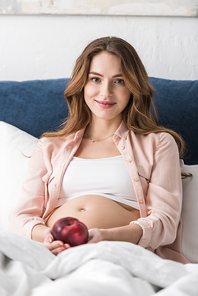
(98,74)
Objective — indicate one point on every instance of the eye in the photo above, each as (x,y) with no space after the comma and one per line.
(95,79)
(119,81)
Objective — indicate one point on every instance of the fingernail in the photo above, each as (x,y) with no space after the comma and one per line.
(61,244)
(50,239)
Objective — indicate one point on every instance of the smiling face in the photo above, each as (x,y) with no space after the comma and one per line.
(105,92)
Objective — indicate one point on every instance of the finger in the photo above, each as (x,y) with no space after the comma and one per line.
(60,249)
(50,238)
(54,245)
(67,246)
(57,251)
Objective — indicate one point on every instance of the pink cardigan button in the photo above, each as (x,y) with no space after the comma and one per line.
(136,180)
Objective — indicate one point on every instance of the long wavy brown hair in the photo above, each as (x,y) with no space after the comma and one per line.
(139,115)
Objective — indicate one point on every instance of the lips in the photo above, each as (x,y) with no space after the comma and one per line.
(105,104)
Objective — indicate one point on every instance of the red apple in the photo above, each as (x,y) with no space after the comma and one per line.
(71,231)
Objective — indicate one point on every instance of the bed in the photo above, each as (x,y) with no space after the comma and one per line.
(29,108)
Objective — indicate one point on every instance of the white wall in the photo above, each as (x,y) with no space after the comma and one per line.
(45,47)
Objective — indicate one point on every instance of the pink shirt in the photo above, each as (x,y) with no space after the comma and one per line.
(154,168)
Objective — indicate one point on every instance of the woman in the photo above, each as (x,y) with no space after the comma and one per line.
(110,165)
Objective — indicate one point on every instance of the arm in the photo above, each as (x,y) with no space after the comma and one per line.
(26,218)
(164,196)
(129,233)
(163,202)
(31,206)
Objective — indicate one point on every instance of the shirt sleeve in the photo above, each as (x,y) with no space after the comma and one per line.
(164,196)
(31,206)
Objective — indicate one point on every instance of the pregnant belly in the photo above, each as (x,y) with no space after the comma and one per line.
(96,212)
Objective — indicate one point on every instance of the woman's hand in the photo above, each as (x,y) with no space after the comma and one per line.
(55,246)
(95,236)
(129,233)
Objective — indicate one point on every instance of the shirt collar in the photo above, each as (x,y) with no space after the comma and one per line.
(79,134)
(122,131)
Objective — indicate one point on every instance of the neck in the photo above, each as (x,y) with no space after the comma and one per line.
(98,130)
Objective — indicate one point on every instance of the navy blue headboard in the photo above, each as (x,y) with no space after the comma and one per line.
(33,106)
(176,102)
(39,105)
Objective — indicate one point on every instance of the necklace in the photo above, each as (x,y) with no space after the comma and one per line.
(100,139)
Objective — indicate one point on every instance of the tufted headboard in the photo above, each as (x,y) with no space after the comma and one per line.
(39,105)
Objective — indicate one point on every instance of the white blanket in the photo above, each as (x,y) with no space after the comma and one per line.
(105,268)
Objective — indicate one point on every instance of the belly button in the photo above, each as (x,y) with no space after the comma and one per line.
(82,209)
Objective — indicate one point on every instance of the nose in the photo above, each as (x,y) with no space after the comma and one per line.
(106,90)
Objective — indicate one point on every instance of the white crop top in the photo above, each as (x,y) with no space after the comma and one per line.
(108,177)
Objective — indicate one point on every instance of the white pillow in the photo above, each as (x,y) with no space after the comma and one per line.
(16,147)
(15,144)
(190,214)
